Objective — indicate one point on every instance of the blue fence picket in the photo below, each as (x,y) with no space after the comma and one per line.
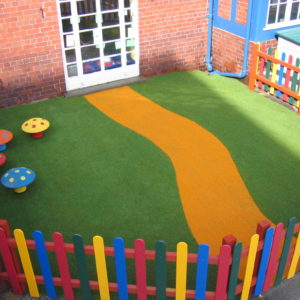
(44,263)
(202,268)
(120,263)
(264,261)
(280,76)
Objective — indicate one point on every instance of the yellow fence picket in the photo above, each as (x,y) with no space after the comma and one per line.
(181,270)
(101,267)
(250,266)
(26,263)
(295,259)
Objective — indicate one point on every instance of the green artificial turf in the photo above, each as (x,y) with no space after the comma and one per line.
(93,176)
(262,136)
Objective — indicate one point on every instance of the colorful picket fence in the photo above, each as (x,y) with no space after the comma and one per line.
(278,76)
(273,254)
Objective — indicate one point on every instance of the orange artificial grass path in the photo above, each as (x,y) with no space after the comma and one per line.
(215,200)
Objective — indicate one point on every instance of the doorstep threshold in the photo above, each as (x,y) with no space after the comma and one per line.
(104,86)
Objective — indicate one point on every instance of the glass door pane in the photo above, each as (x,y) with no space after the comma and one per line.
(68,38)
(111,34)
(99,40)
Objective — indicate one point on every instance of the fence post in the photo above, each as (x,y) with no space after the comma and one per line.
(140,269)
(261,229)
(229,240)
(5,226)
(224,264)
(252,74)
(3,284)
(9,264)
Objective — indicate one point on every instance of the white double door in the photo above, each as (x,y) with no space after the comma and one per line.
(99,40)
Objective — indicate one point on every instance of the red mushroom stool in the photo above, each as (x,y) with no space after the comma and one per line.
(35,127)
(2,159)
(5,137)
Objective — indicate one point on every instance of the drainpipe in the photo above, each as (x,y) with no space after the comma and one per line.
(246,48)
(209,38)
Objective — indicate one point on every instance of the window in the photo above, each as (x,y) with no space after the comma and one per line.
(283,13)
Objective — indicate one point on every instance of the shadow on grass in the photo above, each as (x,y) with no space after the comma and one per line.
(263,137)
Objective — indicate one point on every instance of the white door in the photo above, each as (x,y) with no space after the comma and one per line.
(99,41)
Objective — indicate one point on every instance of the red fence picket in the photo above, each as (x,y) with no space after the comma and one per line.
(140,256)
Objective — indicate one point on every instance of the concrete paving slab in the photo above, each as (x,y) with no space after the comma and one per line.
(288,289)
(104,86)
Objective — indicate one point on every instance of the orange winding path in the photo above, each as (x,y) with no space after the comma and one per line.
(214,197)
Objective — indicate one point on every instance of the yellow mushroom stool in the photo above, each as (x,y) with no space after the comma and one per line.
(35,126)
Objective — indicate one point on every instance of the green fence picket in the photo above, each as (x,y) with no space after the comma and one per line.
(236,259)
(294,82)
(161,270)
(268,71)
(82,266)
(285,250)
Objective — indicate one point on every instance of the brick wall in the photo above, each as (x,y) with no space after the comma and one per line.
(227,51)
(268,44)
(173,35)
(224,9)
(227,48)
(241,12)
(30,54)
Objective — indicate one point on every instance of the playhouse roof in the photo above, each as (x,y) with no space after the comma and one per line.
(292,35)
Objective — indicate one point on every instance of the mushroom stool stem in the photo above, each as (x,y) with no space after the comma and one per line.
(37,135)
(20,190)
(2,147)
(2,159)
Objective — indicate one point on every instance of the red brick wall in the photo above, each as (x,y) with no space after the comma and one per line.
(241,12)
(227,51)
(224,9)
(173,35)
(30,54)
(268,44)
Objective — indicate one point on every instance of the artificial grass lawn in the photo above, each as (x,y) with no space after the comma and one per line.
(96,177)
(262,136)
(93,177)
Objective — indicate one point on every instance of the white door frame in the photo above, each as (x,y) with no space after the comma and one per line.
(127,43)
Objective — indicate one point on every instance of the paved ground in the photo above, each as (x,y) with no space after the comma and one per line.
(287,290)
